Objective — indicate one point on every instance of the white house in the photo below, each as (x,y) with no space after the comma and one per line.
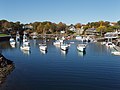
(72,28)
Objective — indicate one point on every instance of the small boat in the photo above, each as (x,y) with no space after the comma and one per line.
(12,41)
(26,44)
(81,47)
(115,53)
(58,42)
(43,47)
(25,40)
(17,37)
(25,47)
(110,44)
(64,47)
(103,43)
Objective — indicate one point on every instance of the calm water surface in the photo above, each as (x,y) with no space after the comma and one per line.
(96,69)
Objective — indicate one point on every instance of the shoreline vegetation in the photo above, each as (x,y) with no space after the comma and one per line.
(98,29)
(4,35)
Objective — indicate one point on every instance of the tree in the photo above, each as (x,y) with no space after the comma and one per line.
(40,28)
(61,26)
(46,27)
(78,25)
(118,22)
(101,28)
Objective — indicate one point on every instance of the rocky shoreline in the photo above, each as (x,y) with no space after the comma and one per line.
(6,67)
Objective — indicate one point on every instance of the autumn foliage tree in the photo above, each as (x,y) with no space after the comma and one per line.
(55,28)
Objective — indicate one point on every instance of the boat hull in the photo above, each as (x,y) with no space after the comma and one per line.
(43,47)
(27,48)
(81,47)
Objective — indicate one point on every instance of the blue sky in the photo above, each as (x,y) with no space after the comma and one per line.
(66,11)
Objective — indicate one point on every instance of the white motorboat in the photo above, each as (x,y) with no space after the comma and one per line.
(43,47)
(12,41)
(103,43)
(58,42)
(64,47)
(115,53)
(25,40)
(26,43)
(17,37)
(110,44)
(25,47)
(81,47)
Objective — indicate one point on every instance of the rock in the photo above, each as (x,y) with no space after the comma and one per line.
(6,67)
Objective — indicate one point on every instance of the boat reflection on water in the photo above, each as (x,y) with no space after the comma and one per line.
(81,54)
(12,45)
(34,42)
(17,44)
(27,52)
(43,51)
(64,53)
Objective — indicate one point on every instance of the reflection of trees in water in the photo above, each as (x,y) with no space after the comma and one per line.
(6,67)
(4,45)
(97,47)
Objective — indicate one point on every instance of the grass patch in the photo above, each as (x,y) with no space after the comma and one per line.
(3,35)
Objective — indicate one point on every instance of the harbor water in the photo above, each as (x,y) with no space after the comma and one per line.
(96,69)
